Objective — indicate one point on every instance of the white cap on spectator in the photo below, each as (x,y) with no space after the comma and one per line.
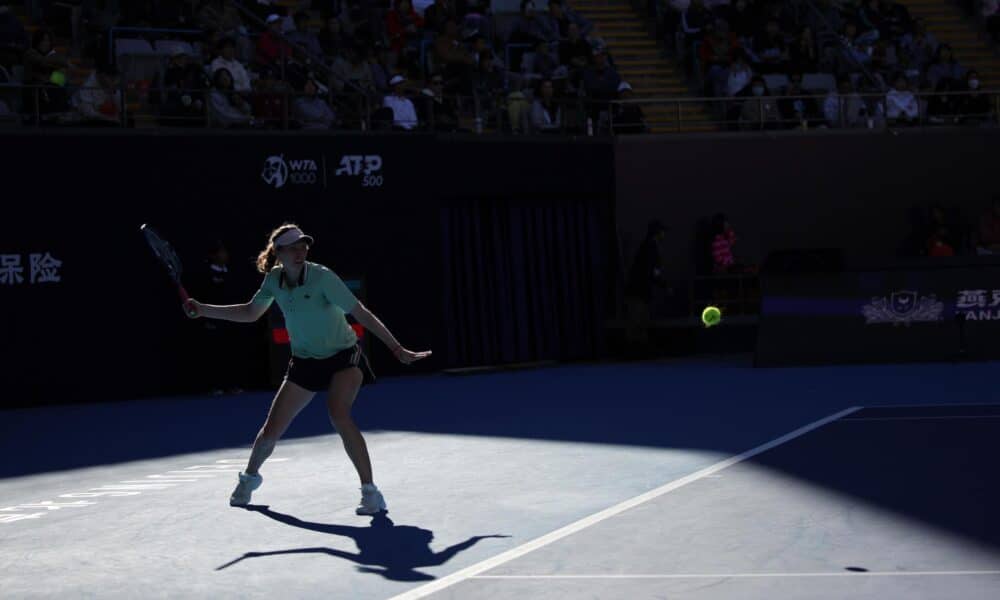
(624,86)
(272,18)
(397,79)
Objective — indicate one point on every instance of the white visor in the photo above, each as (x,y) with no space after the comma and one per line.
(291,236)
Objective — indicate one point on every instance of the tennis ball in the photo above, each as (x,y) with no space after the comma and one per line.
(711,316)
(58,78)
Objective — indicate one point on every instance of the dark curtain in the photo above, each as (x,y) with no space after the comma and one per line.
(525,280)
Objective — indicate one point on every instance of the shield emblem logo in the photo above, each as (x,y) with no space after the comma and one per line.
(903,302)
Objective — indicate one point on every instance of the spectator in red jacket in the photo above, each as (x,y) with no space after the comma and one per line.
(270,46)
(403,25)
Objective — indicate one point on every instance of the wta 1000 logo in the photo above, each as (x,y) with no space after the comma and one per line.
(279,172)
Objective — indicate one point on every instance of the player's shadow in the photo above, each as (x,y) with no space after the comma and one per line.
(394,552)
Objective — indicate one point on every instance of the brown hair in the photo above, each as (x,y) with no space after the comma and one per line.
(268,256)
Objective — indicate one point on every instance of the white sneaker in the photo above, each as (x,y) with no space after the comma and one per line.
(372,501)
(246,486)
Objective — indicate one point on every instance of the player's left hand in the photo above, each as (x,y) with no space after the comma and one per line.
(408,356)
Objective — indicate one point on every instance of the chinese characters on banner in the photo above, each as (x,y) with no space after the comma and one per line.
(978,305)
(42,268)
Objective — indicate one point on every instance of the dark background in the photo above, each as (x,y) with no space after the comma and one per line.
(112,328)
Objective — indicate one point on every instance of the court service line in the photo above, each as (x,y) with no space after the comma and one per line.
(491,563)
(745,575)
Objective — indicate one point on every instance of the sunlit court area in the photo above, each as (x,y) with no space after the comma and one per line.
(500,299)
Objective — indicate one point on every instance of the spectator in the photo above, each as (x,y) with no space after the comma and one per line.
(944,70)
(760,111)
(896,20)
(99,100)
(219,342)
(723,240)
(575,52)
(488,83)
(561,16)
(825,16)
(771,49)
(227,60)
(628,117)
(871,21)
(798,109)
(742,17)
(600,82)
(900,104)
(453,59)
(528,28)
(438,14)
(13,38)
(644,276)
(855,48)
(220,16)
(989,230)
(544,64)
(332,38)
(43,68)
(185,83)
(305,38)
(844,108)
(803,53)
(942,235)
(378,64)
(918,48)
(972,106)
(312,111)
(717,52)
(546,114)
(404,115)
(353,70)
(226,107)
(991,13)
(41,59)
(694,18)
(271,47)
(437,111)
(403,26)
(738,76)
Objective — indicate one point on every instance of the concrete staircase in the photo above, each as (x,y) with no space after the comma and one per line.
(948,23)
(638,58)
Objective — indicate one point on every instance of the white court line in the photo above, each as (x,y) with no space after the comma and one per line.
(920,418)
(746,575)
(491,563)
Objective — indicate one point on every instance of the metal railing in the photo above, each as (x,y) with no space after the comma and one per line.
(515,113)
(806,111)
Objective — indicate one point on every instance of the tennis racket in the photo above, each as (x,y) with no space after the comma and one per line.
(165,253)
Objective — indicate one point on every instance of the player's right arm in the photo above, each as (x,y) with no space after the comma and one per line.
(239,313)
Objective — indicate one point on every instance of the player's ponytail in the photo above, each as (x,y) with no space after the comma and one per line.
(268,256)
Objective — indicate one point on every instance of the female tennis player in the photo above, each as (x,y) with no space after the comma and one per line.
(325,353)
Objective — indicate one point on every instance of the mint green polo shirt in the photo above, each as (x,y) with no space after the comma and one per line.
(315,311)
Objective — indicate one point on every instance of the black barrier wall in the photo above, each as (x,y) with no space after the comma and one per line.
(88,313)
(819,190)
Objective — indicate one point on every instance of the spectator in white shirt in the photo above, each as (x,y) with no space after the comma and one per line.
(404,115)
(844,108)
(900,104)
(546,116)
(227,60)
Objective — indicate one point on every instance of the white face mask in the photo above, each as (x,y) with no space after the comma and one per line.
(757,90)
(973,84)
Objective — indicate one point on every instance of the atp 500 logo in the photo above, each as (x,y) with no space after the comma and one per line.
(278,171)
(368,167)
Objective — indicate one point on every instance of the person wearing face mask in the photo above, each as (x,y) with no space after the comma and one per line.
(973,106)
(760,111)
(738,75)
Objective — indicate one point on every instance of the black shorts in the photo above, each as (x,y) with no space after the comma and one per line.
(315,374)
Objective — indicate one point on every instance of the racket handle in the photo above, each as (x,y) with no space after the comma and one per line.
(185,299)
